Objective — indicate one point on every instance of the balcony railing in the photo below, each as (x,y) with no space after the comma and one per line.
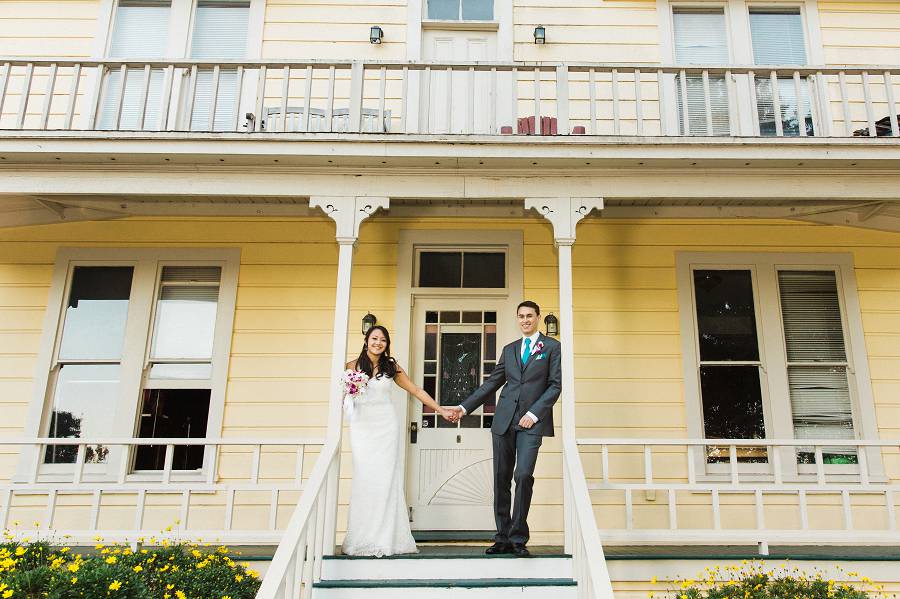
(736,491)
(449,98)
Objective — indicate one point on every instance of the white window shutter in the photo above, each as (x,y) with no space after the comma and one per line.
(701,38)
(220,33)
(817,357)
(140,31)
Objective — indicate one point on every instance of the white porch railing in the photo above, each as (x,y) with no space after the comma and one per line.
(316,96)
(234,470)
(662,470)
(309,535)
(582,537)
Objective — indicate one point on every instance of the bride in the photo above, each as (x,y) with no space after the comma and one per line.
(378,523)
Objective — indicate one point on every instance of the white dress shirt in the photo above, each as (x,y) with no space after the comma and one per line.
(534,339)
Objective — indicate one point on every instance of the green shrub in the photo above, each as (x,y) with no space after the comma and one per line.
(159,570)
(753,580)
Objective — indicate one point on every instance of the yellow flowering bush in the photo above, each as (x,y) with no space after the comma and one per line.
(755,580)
(157,570)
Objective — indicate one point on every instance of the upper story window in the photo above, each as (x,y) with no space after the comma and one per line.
(460,10)
(465,269)
(701,37)
(141,350)
(778,39)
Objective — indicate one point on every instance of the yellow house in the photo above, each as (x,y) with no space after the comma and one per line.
(202,202)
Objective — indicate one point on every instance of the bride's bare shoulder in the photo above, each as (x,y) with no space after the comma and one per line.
(350,365)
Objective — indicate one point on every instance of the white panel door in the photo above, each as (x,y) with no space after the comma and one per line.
(455,346)
(458,102)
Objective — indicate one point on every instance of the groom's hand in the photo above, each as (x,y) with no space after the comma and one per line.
(455,414)
(526,422)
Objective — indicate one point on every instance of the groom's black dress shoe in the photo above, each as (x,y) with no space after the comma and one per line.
(520,551)
(499,548)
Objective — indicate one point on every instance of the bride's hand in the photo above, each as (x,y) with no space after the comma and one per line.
(446,414)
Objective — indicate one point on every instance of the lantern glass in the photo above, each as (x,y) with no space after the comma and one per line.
(540,35)
(376,34)
(552,325)
(368,321)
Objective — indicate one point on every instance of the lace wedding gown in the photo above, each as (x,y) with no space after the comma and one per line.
(378,523)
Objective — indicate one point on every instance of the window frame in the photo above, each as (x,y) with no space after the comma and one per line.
(464,23)
(764,268)
(147,263)
(418,249)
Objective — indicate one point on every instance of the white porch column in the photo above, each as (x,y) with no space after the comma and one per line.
(348,212)
(564,214)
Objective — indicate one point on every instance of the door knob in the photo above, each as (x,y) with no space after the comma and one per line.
(413,432)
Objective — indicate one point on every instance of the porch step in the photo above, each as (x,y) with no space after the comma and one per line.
(474,588)
(457,571)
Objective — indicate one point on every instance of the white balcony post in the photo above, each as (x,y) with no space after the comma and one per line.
(348,213)
(564,214)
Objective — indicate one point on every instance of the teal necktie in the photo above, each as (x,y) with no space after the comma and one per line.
(527,352)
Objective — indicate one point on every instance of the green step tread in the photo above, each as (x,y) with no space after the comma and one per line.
(444,583)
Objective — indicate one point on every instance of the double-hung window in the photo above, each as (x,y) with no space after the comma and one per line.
(778,39)
(140,31)
(701,38)
(219,33)
(769,354)
(140,349)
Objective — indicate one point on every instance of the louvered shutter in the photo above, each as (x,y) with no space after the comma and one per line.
(140,31)
(220,33)
(778,39)
(817,357)
(701,38)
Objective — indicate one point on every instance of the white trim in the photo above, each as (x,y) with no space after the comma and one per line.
(143,297)
(408,241)
(776,400)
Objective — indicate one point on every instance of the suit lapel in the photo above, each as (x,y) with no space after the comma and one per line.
(517,348)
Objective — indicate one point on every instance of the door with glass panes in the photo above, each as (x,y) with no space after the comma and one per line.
(450,466)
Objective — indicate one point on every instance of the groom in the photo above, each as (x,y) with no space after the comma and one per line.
(529,371)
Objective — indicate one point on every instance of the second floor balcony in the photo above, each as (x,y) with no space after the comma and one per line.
(445,101)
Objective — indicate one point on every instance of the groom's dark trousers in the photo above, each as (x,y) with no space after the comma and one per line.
(530,387)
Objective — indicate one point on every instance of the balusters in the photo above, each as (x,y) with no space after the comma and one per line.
(801,114)
(73,96)
(449,105)
(754,104)
(734,115)
(592,95)
(617,129)
(4,83)
(261,100)
(845,104)
(26,92)
(867,98)
(425,126)
(638,103)
(562,99)
(514,98)
(707,103)
(48,96)
(892,107)
(191,97)
(213,100)
(285,88)
(382,92)
(776,104)
(492,122)
(236,107)
(685,109)
(470,105)
(307,98)
(538,130)
(166,99)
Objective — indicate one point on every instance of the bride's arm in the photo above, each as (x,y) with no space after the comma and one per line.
(410,387)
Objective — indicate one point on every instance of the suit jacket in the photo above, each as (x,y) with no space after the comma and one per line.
(534,387)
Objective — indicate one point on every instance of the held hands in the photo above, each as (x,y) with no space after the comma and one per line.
(451,414)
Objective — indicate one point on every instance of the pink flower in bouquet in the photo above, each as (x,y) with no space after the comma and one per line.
(353,385)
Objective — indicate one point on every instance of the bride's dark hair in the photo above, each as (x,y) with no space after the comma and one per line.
(387,366)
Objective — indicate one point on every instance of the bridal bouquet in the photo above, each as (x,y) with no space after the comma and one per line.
(353,386)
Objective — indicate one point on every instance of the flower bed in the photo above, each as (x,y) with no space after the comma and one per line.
(754,580)
(160,569)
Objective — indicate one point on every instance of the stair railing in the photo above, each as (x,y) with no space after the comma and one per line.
(582,537)
(297,562)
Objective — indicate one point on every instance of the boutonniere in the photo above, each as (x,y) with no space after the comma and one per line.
(537,350)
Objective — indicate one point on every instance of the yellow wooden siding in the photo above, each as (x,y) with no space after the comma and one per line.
(858,33)
(587,31)
(59,28)
(627,342)
(335,29)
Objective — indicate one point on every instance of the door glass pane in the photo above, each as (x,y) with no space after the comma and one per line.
(477,10)
(84,405)
(96,312)
(440,269)
(726,322)
(186,313)
(447,10)
(460,366)
(173,413)
(484,269)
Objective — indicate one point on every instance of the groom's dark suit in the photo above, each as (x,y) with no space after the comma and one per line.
(533,387)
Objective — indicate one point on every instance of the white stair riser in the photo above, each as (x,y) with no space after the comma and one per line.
(567,592)
(380,569)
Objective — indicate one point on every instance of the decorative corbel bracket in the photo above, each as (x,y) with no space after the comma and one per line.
(564,214)
(348,212)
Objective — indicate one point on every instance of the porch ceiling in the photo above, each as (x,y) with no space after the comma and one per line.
(25,210)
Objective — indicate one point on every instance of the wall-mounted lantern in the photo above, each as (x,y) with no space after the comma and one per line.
(368,321)
(376,34)
(552,324)
(540,35)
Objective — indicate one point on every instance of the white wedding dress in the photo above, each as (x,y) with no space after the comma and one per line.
(378,523)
